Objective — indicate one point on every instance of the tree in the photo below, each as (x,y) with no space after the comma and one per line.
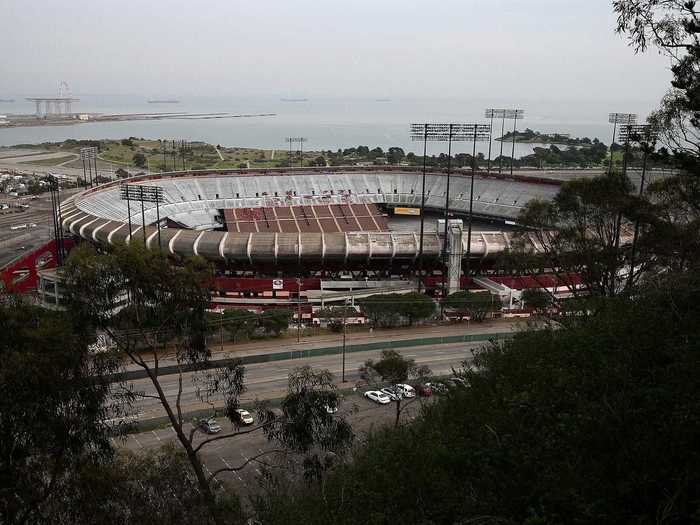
(395,369)
(576,236)
(536,298)
(593,424)
(387,310)
(275,320)
(395,155)
(148,488)
(149,306)
(53,407)
(475,304)
(139,159)
(415,307)
(240,324)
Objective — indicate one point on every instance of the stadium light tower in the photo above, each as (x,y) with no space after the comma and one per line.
(89,154)
(646,136)
(513,114)
(479,133)
(142,193)
(300,140)
(441,133)
(626,119)
(490,114)
(54,189)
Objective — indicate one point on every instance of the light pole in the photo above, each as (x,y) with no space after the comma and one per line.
(300,141)
(420,132)
(645,135)
(490,114)
(514,114)
(626,119)
(298,310)
(449,133)
(345,319)
(480,132)
(142,193)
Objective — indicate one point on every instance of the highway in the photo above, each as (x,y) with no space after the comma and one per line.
(269,380)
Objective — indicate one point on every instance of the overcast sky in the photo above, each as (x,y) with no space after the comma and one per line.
(564,49)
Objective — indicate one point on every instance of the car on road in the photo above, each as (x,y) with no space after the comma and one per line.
(210,426)
(393,393)
(243,416)
(377,397)
(407,391)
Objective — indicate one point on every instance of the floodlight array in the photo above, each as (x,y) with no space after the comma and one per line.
(88,152)
(296,139)
(449,132)
(137,192)
(643,133)
(495,113)
(622,118)
(516,114)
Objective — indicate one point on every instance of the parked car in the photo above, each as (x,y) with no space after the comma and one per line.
(243,416)
(437,388)
(377,397)
(407,391)
(424,390)
(210,426)
(393,393)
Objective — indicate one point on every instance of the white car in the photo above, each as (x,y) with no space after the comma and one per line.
(210,426)
(406,390)
(393,394)
(243,416)
(331,409)
(377,397)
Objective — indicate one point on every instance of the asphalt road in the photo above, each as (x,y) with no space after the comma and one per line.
(269,380)
(364,416)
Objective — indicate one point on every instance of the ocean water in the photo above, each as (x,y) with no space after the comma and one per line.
(328,123)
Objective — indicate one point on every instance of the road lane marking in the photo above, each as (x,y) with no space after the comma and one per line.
(156,435)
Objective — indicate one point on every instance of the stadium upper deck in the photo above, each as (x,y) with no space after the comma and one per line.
(203,201)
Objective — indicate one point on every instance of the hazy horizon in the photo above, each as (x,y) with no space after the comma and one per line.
(475,49)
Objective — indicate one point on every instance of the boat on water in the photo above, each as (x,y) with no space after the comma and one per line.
(7,99)
(164,101)
(294,99)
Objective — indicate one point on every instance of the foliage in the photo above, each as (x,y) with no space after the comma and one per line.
(387,310)
(276,320)
(536,298)
(577,233)
(139,159)
(52,408)
(395,369)
(476,304)
(594,424)
(148,488)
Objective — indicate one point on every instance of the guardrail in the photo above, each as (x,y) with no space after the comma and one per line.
(314,352)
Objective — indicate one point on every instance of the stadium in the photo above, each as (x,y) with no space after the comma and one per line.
(323,233)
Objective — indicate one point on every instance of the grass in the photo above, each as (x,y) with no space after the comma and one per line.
(49,162)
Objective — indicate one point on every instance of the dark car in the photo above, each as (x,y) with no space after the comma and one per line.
(423,390)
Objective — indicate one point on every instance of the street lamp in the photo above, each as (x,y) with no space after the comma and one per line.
(626,119)
(300,140)
(646,136)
